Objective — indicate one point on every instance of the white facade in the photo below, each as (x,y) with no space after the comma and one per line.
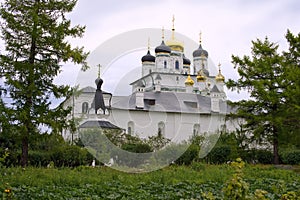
(167,99)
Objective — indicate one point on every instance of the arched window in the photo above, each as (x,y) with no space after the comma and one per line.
(161,129)
(85,107)
(130,128)
(196,129)
(176,64)
(165,64)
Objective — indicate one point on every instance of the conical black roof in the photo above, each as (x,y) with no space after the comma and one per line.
(199,52)
(163,48)
(148,57)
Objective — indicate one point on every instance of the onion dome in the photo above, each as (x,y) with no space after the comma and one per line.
(200,52)
(201,76)
(173,43)
(98,81)
(220,77)
(148,57)
(189,81)
(163,48)
(186,61)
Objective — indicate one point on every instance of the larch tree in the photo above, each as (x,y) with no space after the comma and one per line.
(35,33)
(267,75)
(292,91)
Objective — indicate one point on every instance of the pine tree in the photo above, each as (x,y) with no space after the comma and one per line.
(262,75)
(292,92)
(35,33)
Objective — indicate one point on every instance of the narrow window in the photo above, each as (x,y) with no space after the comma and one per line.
(130,128)
(165,64)
(196,129)
(85,107)
(176,65)
(161,129)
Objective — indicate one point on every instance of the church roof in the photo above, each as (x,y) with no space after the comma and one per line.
(90,89)
(98,124)
(169,102)
(158,77)
(215,89)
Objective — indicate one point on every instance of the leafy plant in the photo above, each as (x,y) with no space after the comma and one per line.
(236,188)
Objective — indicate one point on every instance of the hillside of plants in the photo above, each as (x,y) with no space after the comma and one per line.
(58,170)
(197,181)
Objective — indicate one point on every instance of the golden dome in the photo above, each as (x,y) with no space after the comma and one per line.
(189,81)
(173,43)
(220,77)
(201,76)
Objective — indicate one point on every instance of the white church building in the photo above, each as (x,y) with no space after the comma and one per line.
(174,96)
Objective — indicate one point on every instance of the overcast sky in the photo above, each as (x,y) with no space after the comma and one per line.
(227,26)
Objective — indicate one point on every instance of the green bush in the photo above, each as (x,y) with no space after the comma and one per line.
(190,155)
(137,148)
(219,154)
(291,157)
(134,159)
(263,156)
(70,156)
(39,158)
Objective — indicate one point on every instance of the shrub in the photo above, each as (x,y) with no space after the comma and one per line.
(291,157)
(137,148)
(263,156)
(39,158)
(190,155)
(134,159)
(70,156)
(219,154)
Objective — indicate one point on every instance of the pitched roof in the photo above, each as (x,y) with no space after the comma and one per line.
(169,102)
(215,89)
(98,124)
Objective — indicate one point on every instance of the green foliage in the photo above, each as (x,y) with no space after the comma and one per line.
(34,33)
(137,148)
(70,156)
(290,196)
(190,155)
(3,157)
(269,78)
(263,156)
(157,142)
(219,154)
(174,182)
(236,188)
(291,156)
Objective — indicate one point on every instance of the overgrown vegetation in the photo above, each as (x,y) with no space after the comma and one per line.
(197,181)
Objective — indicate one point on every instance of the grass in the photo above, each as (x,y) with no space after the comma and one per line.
(173,182)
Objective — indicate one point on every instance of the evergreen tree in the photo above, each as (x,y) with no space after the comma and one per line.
(292,92)
(267,77)
(35,33)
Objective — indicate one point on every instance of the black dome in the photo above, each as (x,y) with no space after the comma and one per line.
(199,52)
(162,48)
(148,57)
(186,61)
